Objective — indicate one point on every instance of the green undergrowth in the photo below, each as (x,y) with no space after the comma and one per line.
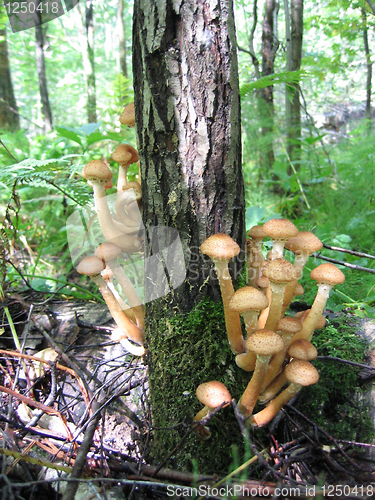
(335,402)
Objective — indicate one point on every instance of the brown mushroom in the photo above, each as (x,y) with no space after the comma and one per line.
(109,253)
(91,266)
(212,395)
(264,343)
(280,231)
(221,248)
(326,276)
(300,373)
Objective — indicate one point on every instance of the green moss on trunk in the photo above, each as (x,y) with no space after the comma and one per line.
(184,351)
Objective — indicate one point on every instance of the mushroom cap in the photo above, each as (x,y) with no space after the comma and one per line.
(280,271)
(304,242)
(213,394)
(327,273)
(107,251)
(263,282)
(90,266)
(289,324)
(125,154)
(299,290)
(302,349)
(136,187)
(280,229)
(96,169)
(220,246)
(256,233)
(248,298)
(264,342)
(301,372)
(127,116)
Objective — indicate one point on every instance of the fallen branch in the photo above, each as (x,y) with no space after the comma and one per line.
(345,264)
(351,252)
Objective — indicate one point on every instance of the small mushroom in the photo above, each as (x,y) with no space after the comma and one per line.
(280,231)
(287,327)
(264,343)
(300,373)
(279,272)
(211,395)
(127,116)
(109,253)
(91,266)
(125,155)
(326,276)
(248,301)
(303,245)
(221,248)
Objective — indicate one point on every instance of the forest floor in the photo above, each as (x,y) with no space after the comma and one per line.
(86,415)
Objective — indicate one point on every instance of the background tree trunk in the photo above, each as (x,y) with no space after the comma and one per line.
(86,42)
(188,129)
(293,97)
(41,69)
(9,119)
(121,61)
(269,48)
(369,68)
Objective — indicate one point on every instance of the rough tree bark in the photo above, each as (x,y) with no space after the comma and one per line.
(294,57)
(9,119)
(41,69)
(188,128)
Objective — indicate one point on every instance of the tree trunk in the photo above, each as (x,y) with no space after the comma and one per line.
(269,49)
(369,68)
(9,118)
(294,125)
(121,61)
(188,128)
(86,42)
(41,69)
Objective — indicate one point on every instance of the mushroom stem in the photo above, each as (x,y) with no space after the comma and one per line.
(132,331)
(265,416)
(232,318)
(251,393)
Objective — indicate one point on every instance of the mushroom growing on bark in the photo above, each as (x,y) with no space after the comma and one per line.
(264,343)
(125,155)
(211,395)
(279,272)
(300,373)
(127,116)
(97,174)
(221,248)
(287,327)
(92,267)
(326,276)
(303,245)
(280,231)
(248,301)
(109,253)
(254,257)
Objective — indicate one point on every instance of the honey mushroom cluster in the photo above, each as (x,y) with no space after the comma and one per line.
(121,232)
(276,348)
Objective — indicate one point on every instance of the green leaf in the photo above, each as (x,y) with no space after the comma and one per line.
(69,133)
(288,77)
